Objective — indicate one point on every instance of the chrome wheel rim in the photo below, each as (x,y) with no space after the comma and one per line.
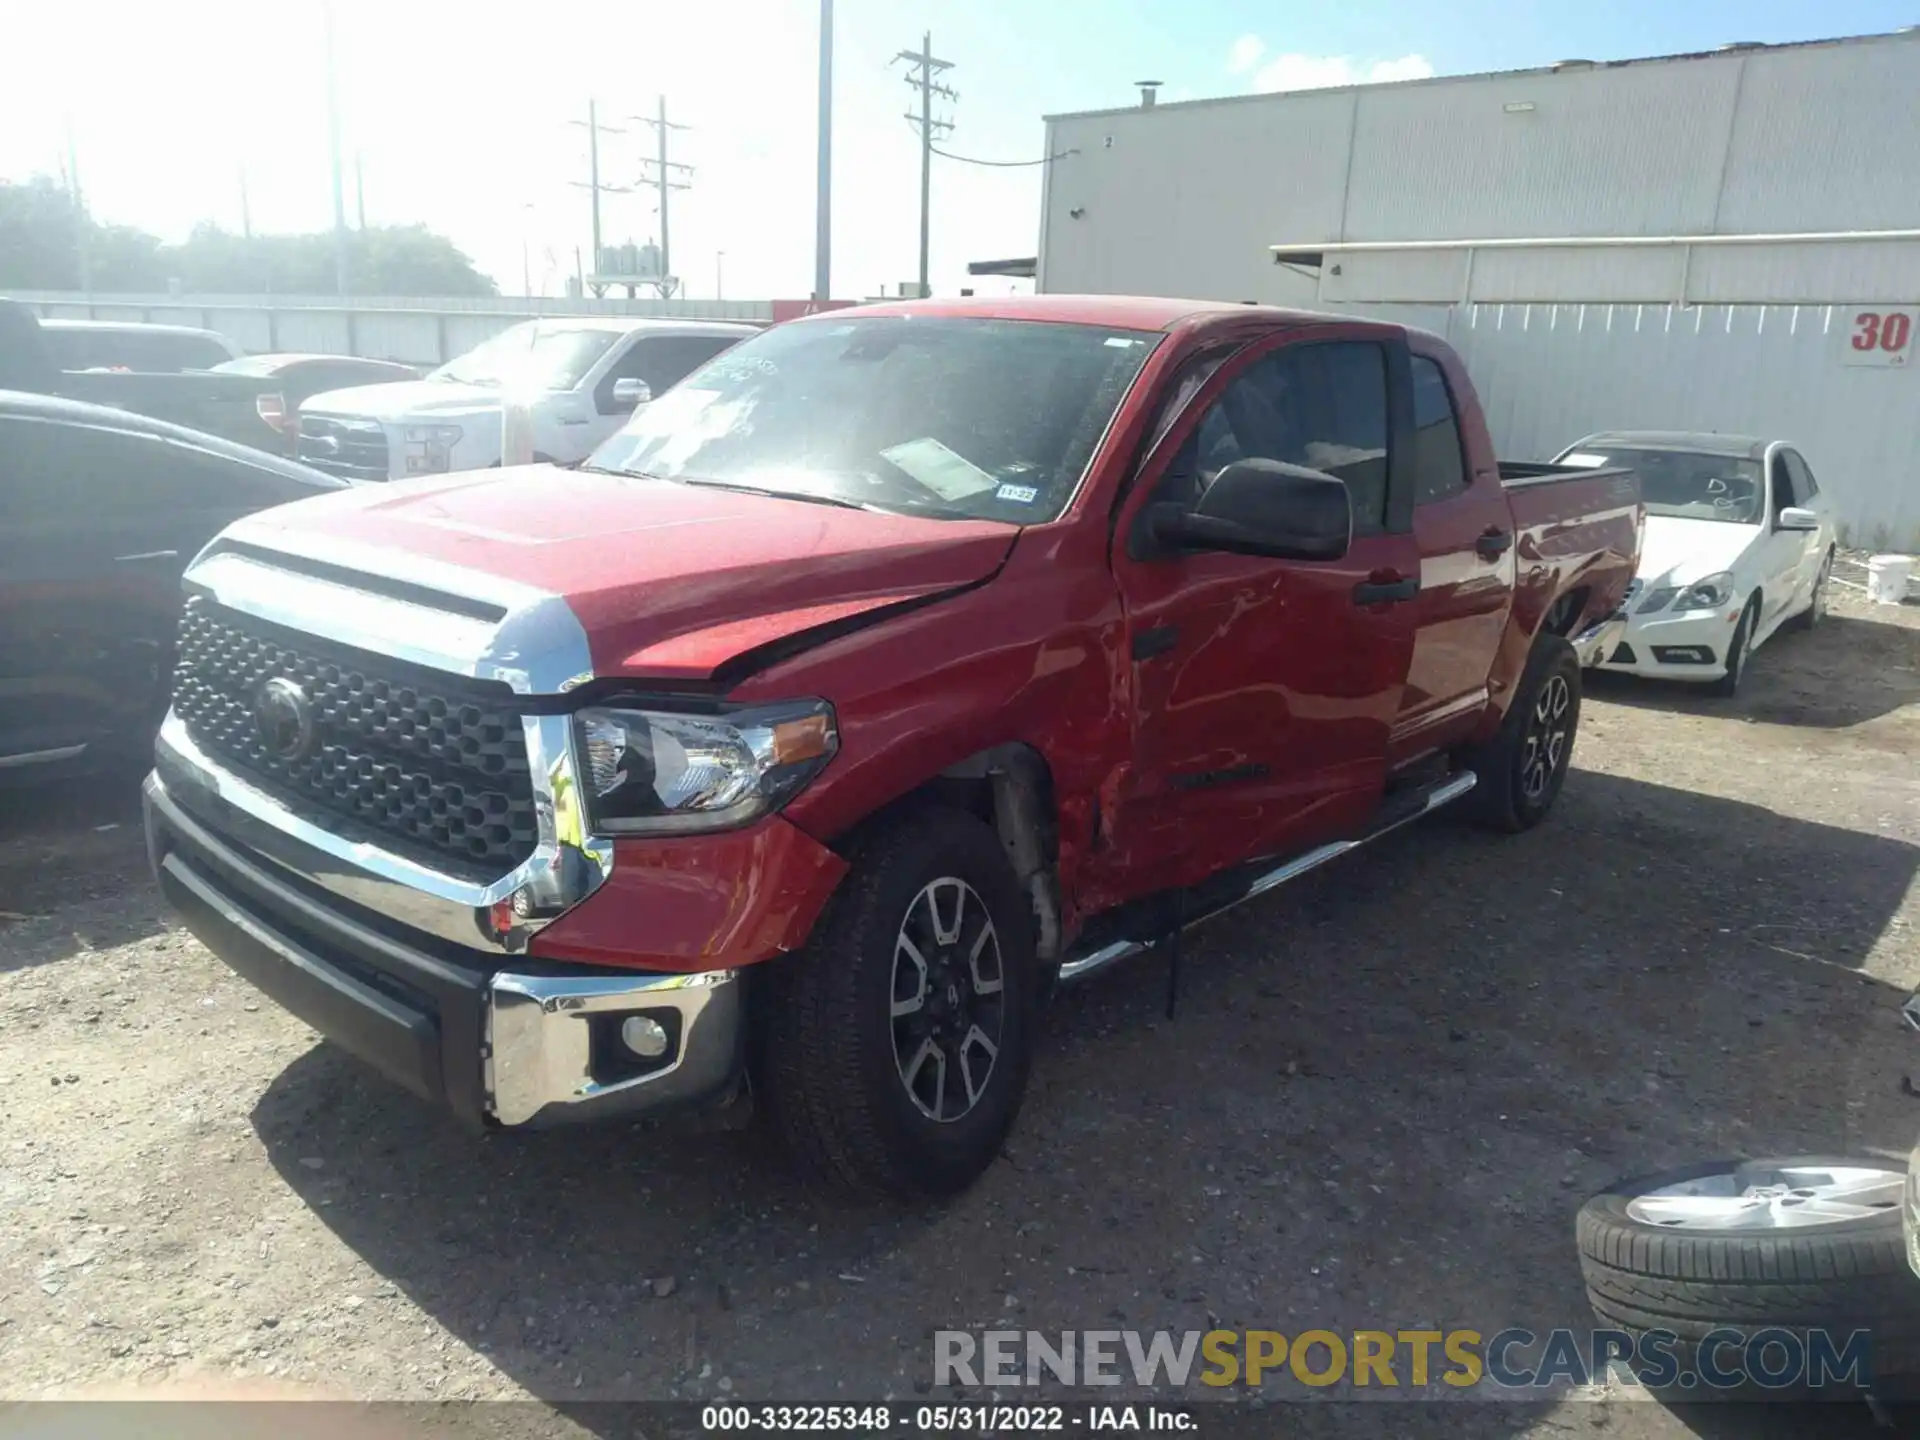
(948,999)
(1543,750)
(1762,1196)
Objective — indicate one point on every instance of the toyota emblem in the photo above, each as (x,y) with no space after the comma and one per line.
(283,716)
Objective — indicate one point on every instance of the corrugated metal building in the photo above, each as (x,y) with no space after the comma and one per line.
(1727,241)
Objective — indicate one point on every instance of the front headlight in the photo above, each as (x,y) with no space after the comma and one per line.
(666,772)
(430,447)
(1708,594)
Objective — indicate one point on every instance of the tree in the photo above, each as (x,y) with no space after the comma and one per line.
(41,228)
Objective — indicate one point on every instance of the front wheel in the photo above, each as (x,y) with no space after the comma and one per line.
(1737,647)
(1520,771)
(892,1051)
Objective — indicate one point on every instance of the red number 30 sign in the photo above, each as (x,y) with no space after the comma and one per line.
(1879,337)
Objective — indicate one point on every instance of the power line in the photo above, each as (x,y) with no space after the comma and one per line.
(1002,164)
(927,65)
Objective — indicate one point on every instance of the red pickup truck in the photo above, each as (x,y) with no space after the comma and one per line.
(896,666)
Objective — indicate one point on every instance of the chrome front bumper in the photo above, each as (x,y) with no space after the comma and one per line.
(533,1045)
(549,1038)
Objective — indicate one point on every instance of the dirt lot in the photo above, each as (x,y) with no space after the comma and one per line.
(1385,1093)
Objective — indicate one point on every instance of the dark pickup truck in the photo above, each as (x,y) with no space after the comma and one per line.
(228,406)
(896,666)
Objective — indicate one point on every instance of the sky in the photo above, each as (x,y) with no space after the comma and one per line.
(470,118)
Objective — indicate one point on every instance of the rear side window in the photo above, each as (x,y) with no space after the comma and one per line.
(1439,471)
(1321,406)
(665,360)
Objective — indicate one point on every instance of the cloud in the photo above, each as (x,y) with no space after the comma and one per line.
(1244,54)
(1317,72)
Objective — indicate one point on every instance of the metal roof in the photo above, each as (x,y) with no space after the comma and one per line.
(1571,67)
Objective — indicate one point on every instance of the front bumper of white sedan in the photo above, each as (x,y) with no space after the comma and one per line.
(1670,645)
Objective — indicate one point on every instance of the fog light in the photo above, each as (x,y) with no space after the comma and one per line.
(645,1037)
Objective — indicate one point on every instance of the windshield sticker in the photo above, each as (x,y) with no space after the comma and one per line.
(948,475)
(1584,460)
(1121,342)
(1023,494)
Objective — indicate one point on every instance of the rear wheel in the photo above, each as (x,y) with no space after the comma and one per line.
(892,1051)
(1520,771)
(1816,610)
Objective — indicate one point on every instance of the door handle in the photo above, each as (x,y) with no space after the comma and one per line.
(1157,641)
(1386,588)
(146,557)
(1493,543)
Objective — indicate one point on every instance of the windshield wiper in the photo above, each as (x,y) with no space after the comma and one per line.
(811,497)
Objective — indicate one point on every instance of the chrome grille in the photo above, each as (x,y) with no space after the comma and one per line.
(354,448)
(434,765)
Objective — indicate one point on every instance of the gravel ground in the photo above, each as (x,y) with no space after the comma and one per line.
(1385,1093)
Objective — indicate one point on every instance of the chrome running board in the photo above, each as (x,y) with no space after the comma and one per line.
(1078,967)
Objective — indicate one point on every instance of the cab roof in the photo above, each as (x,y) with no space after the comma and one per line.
(1118,312)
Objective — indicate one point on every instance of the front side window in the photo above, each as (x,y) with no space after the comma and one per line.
(1320,406)
(1687,484)
(946,416)
(1803,487)
(535,355)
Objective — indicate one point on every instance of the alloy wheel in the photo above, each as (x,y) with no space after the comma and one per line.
(948,999)
(1769,1197)
(1543,749)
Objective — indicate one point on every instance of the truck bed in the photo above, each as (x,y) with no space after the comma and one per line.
(1575,528)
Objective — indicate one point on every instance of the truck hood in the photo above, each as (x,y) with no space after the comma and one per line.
(1677,551)
(668,581)
(401,401)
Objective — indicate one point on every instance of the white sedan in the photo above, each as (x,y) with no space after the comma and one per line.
(1738,543)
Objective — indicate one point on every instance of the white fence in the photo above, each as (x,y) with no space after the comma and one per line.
(1549,374)
(416,331)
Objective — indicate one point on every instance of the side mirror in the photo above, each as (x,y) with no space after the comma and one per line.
(1794,518)
(1263,507)
(631,393)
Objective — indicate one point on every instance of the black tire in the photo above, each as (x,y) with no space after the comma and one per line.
(1512,793)
(1839,1277)
(829,1057)
(1729,683)
(1816,611)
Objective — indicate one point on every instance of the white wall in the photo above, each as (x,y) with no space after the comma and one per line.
(1186,198)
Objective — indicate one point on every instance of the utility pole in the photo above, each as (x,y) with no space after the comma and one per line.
(927,67)
(82,222)
(719,275)
(594,131)
(360,189)
(823,199)
(663,180)
(246,206)
(333,148)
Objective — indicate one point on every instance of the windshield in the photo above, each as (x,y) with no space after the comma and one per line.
(981,419)
(1687,483)
(536,355)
